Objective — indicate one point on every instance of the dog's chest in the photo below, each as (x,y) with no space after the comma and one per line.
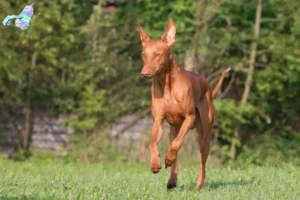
(174,113)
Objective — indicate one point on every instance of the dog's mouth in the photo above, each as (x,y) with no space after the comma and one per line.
(147,76)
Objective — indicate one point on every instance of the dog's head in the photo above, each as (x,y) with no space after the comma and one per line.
(155,53)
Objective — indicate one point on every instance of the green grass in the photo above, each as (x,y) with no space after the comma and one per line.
(48,180)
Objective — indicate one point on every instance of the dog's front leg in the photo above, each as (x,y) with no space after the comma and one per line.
(157,131)
(177,143)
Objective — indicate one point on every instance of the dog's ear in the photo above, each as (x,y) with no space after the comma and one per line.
(169,35)
(143,35)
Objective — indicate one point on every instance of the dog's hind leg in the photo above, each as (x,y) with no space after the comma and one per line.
(204,123)
(174,169)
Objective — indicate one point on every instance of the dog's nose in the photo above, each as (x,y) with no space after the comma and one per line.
(145,74)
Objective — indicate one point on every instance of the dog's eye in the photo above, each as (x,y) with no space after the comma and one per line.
(157,54)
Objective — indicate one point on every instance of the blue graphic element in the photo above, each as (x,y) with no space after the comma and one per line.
(22,20)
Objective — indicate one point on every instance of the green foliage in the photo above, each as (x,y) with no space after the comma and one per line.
(279,79)
(35,59)
(231,116)
(93,105)
(271,149)
(76,59)
(113,70)
(96,148)
(21,154)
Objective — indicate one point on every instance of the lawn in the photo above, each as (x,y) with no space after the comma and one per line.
(49,180)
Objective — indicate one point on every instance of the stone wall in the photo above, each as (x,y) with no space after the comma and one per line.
(48,132)
(135,131)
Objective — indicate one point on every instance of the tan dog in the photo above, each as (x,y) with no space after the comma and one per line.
(181,97)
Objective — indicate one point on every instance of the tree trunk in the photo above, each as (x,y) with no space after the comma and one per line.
(28,125)
(28,110)
(191,58)
(248,83)
(246,92)
(95,36)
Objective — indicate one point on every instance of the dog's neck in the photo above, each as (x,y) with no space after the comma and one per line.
(162,82)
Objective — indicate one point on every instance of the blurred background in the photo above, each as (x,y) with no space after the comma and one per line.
(71,90)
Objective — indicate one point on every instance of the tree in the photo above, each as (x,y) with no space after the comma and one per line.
(35,61)
(250,72)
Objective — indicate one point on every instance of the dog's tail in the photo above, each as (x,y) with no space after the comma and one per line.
(214,92)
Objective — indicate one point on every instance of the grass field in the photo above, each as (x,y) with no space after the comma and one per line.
(48,180)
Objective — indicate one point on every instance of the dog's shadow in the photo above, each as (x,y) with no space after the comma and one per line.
(212,185)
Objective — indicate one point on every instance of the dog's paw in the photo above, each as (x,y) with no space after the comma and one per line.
(200,184)
(172,184)
(155,168)
(170,157)
(155,163)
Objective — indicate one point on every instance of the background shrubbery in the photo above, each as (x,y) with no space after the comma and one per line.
(75,58)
